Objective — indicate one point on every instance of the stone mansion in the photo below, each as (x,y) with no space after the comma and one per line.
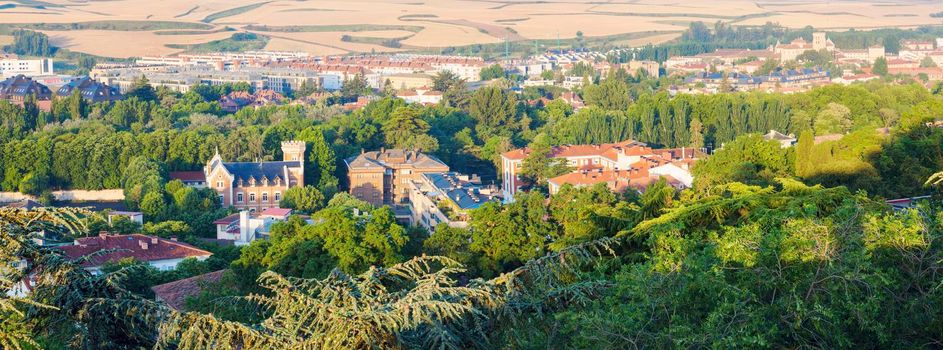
(256,186)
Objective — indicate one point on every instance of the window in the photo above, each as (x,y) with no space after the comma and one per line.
(278,196)
(264,197)
(252,197)
(239,197)
(221,199)
(219,184)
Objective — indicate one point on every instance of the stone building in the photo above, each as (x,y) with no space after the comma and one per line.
(255,186)
(382,177)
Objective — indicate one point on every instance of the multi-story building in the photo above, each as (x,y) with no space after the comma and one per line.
(382,177)
(622,156)
(244,227)
(11,65)
(446,197)
(16,88)
(89,89)
(649,67)
(792,50)
(256,186)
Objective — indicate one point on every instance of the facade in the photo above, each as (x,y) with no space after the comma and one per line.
(244,227)
(785,141)
(89,89)
(422,95)
(650,67)
(382,177)
(407,81)
(10,66)
(446,197)
(612,162)
(162,254)
(255,186)
(638,179)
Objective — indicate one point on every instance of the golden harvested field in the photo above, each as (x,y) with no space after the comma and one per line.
(389,26)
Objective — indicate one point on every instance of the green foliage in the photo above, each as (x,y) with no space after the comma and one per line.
(880,66)
(30,43)
(495,112)
(611,94)
(493,71)
(305,199)
(748,268)
(748,159)
(405,129)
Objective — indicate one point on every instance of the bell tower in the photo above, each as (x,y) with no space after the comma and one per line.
(293,151)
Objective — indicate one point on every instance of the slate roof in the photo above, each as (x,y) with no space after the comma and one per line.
(175,293)
(21,85)
(90,90)
(394,157)
(464,194)
(269,170)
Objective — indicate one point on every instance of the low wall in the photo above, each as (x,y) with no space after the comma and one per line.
(113,195)
(82,195)
(7,197)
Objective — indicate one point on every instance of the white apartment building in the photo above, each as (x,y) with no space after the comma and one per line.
(11,66)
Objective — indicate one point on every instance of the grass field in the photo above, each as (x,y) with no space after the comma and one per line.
(125,28)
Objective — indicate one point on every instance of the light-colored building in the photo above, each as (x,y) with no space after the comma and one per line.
(785,141)
(382,177)
(615,157)
(407,81)
(650,67)
(133,216)
(244,227)
(11,65)
(163,254)
(256,186)
(446,197)
(423,95)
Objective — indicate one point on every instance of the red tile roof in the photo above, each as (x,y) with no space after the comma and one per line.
(187,176)
(227,220)
(276,212)
(175,293)
(140,247)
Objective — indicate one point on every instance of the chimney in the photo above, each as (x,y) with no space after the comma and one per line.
(143,245)
(244,226)
(103,235)
(154,240)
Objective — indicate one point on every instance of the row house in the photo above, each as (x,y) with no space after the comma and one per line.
(624,155)
(90,90)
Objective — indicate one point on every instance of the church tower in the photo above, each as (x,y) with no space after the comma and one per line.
(293,151)
(819,41)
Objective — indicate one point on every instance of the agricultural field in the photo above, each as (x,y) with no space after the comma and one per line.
(129,28)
